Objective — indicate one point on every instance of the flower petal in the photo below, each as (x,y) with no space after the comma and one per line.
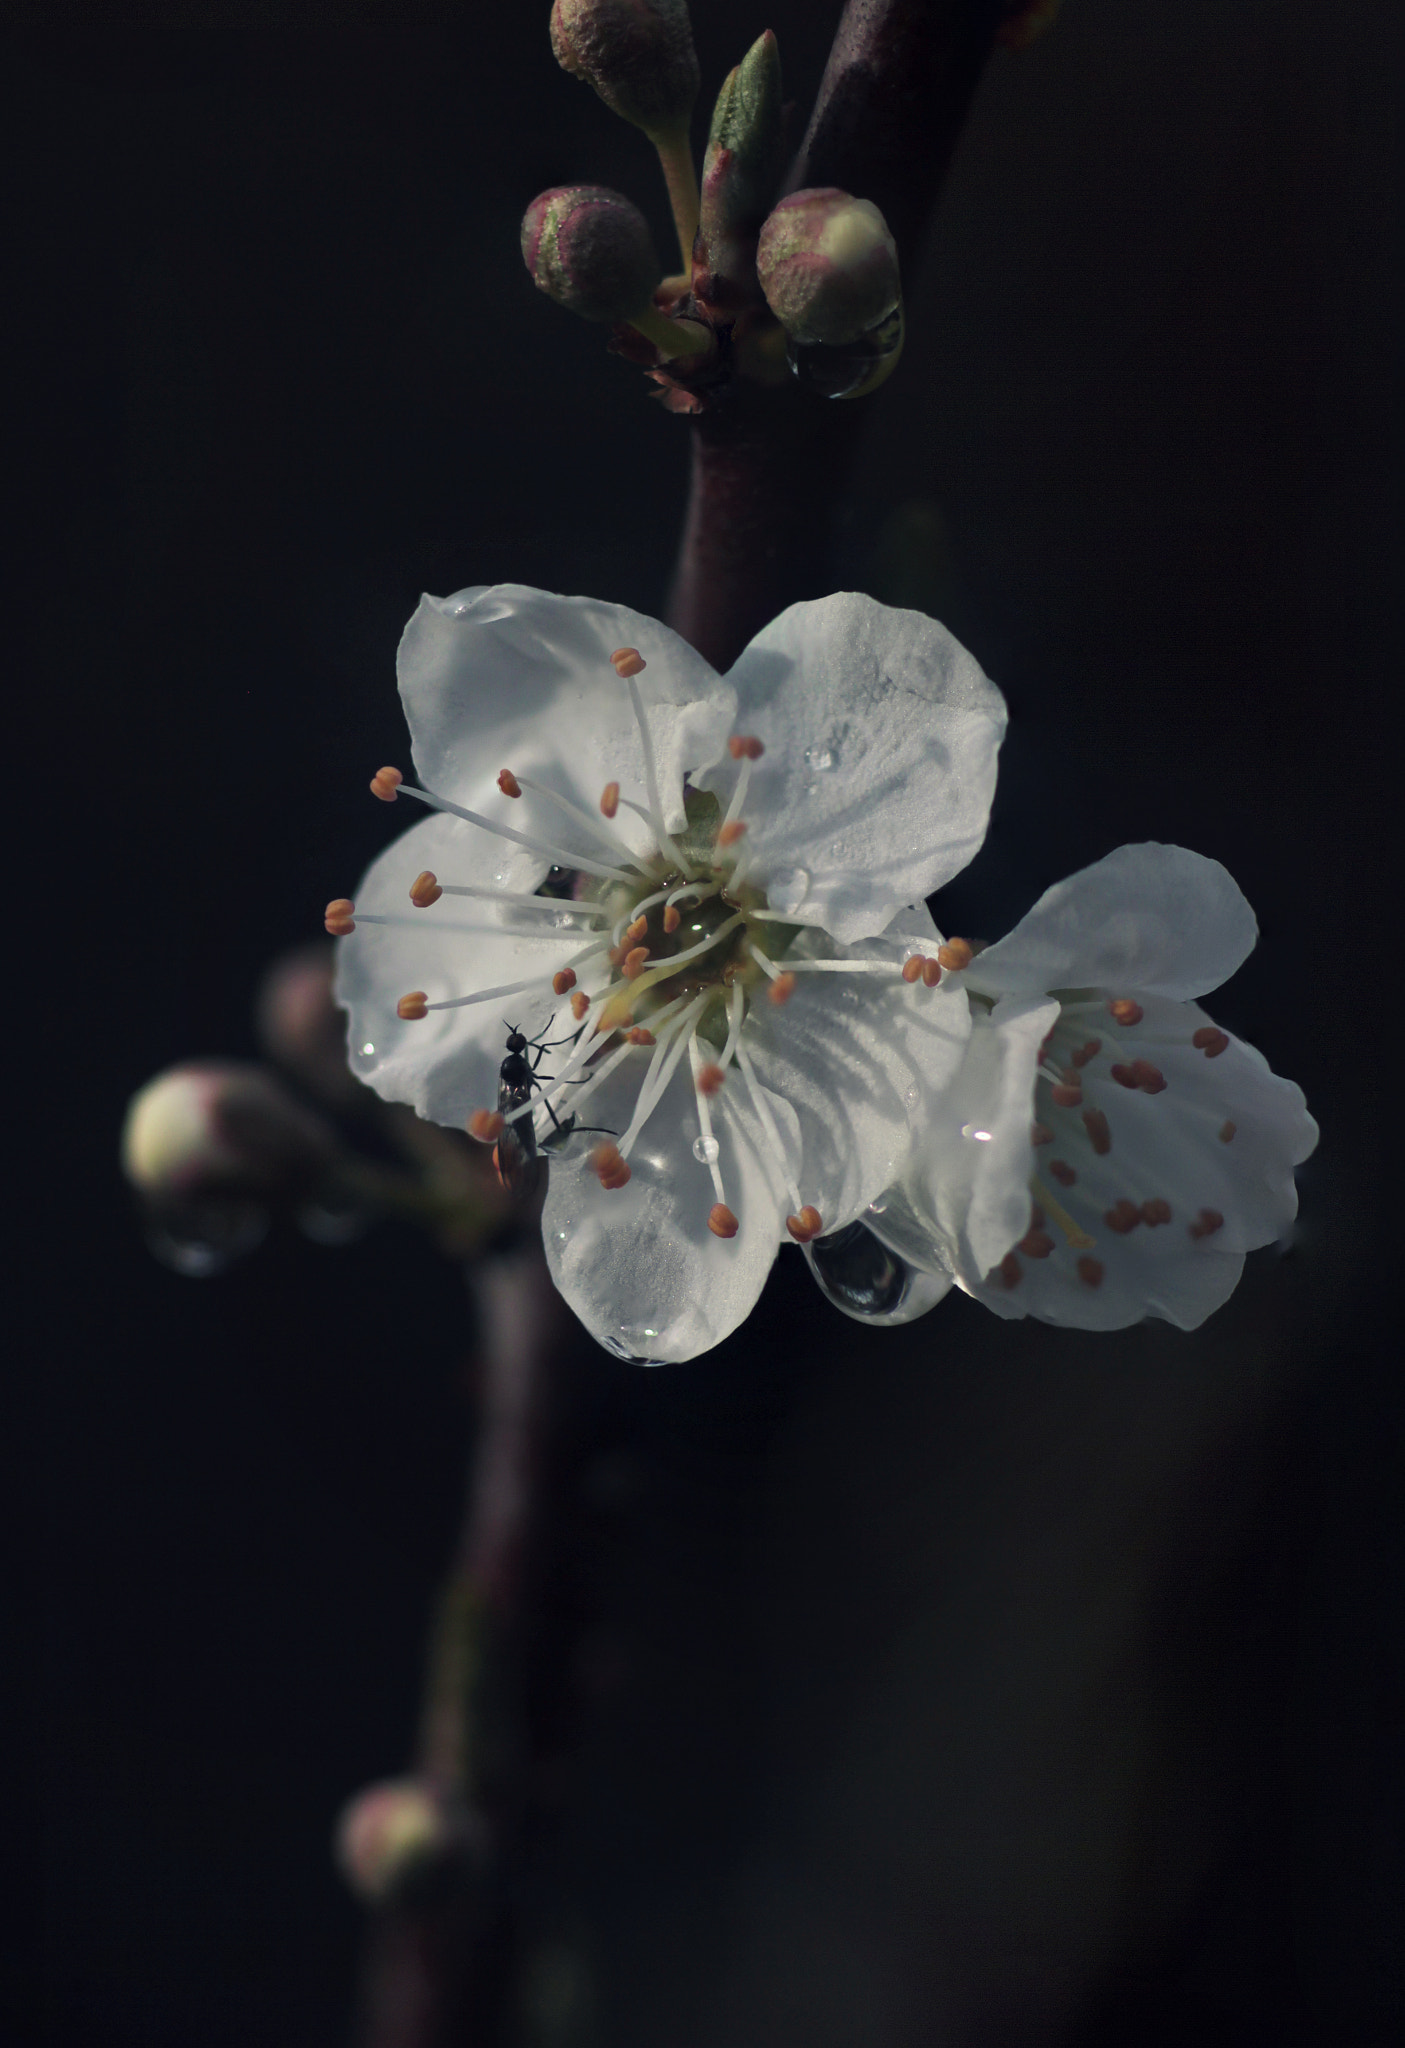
(446,1064)
(881,735)
(508,677)
(1147,917)
(638,1264)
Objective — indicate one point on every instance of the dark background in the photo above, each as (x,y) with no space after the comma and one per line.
(971,1684)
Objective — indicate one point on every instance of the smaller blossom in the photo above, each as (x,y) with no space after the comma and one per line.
(1108,1152)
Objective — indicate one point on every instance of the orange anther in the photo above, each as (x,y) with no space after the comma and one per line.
(608,1165)
(1095,1123)
(1063,1173)
(1090,1272)
(1009,1271)
(782,988)
(1122,1216)
(508,783)
(721,1222)
(1123,1075)
(1036,1244)
(1150,1079)
(610,799)
(628,661)
(710,1078)
(633,965)
(1067,1093)
(912,968)
(1206,1223)
(564,981)
(672,918)
(1226,1132)
(1087,1052)
(1210,1040)
(337,916)
(931,973)
(807,1225)
(413,1006)
(1040,1134)
(956,954)
(616,954)
(486,1125)
(1156,1211)
(425,890)
(580,1003)
(385,782)
(730,834)
(636,931)
(745,747)
(1123,1010)
(639,1036)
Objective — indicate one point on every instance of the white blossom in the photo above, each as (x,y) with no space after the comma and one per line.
(697,894)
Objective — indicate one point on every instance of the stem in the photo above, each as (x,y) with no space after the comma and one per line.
(671,337)
(770,467)
(680,175)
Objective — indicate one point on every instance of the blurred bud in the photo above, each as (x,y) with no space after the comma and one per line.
(396,1835)
(828,266)
(741,173)
(1024,20)
(591,251)
(301,1026)
(218,1127)
(638,54)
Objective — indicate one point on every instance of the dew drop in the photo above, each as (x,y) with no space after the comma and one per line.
(975,1131)
(706,1150)
(619,1349)
(912,1095)
(368,1050)
(819,758)
(868,1281)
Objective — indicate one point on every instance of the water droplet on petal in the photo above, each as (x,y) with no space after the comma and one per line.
(975,1131)
(912,1095)
(706,1150)
(368,1050)
(819,758)
(624,1351)
(866,1280)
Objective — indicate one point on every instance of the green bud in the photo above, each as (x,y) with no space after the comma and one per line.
(828,267)
(638,54)
(741,171)
(591,251)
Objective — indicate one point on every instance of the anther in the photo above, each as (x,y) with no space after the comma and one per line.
(633,964)
(1040,1134)
(508,783)
(1090,1272)
(1009,1271)
(744,746)
(1095,1123)
(1122,1216)
(486,1125)
(1036,1244)
(931,973)
(1067,1093)
(564,981)
(1087,1052)
(413,1006)
(636,931)
(1123,1075)
(1156,1211)
(1206,1223)
(728,835)
(1123,1010)
(1210,1040)
(425,890)
(710,1077)
(782,988)
(610,799)
(628,661)
(721,1222)
(1063,1173)
(337,916)
(1150,1079)
(1226,1132)
(580,1003)
(912,968)
(609,1167)
(956,954)
(385,782)
(672,918)
(639,1036)
(807,1225)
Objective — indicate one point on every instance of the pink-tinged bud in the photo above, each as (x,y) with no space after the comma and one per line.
(396,1834)
(638,55)
(828,267)
(301,1026)
(591,251)
(217,1127)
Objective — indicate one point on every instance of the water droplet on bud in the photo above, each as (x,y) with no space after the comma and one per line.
(201,1239)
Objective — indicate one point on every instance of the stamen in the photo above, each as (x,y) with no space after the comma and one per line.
(524,900)
(1156,1211)
(482,995)
(1090,1272)
(385,783)
(413,1007)
(912,968)
(639,1036)
(610,799)
(768,1124)
(628,661)
(1206,1223)
(580,1003)
(1123,1010)
(1036,1244)
(1210,1040)
(337,917)
(1100,1136)
(508,783)
(1123,1075)
(662,1068)
(931,973)
(782,988)
(670,966)
(956,954)
(486,1125)
(1123,1216)
(1067,1092)
(1040,1134)
(559,856)
(1150,1079)
(807,1225)
(564,982)
(671,920)
(745,747)
(1063,1173)
(564,804)
(633,964)
(721,1222)
(1076,1235)
(1087,1052)
(608,1165)
(637,930)
(1226,1132)
(730,833)
(425,889)
(710,1078)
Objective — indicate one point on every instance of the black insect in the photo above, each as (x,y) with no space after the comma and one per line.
(519,1161)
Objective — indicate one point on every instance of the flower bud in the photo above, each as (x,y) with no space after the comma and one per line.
(397,1834)
(828,267)
(591,251)
(638,54)
(218,1126)
(300,1025)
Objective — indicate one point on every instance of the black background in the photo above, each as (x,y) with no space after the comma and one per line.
(976,1683)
